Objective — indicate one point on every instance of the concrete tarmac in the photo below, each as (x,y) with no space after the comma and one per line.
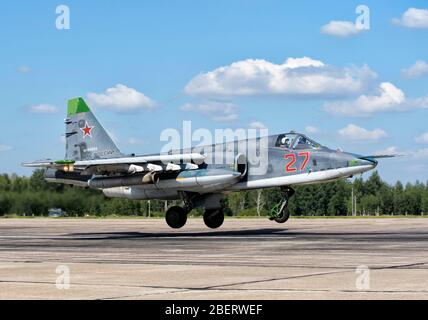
(245,259)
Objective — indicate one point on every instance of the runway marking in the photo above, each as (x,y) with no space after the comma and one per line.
(225,285)
(173,290)
(277,279)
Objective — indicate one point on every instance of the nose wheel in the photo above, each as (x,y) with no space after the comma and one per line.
(214,218)
(280,212)
(176,217)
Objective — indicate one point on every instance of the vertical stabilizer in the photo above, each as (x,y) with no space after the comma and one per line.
(86,139)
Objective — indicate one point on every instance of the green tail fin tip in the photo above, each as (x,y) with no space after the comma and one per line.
(77,105)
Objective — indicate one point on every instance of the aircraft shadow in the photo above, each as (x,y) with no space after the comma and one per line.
(202,234)
(273,233)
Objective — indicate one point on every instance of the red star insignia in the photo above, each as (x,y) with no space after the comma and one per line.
(87,130)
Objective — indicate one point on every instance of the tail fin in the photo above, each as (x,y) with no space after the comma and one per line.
(86,139)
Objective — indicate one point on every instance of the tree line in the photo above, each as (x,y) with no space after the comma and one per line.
(33,196)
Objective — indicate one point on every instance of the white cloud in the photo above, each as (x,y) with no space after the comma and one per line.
(43,108)
(257,125)
(417,70)
(301,77)
(294,63)
(218,111)
(121,99)
(311,129)
(389,98)
(406,155)
(135,141)
(423,138)
(358,134)
(4,147)
(24,69)
(413,160)
(390,151)
(413,18)
(341,29)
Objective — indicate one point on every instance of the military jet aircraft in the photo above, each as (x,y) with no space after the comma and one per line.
(93,160)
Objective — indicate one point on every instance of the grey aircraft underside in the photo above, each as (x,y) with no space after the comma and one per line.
(93,160)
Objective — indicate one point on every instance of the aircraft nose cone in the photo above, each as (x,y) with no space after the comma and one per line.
(367,162)
(357,160)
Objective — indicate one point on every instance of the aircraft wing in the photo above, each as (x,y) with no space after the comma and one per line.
(153,163)
(167,158)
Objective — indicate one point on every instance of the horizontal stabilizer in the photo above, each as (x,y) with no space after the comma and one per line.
(48,164)
(40,164)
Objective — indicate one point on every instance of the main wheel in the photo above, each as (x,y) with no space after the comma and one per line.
(176,217)
(214,218)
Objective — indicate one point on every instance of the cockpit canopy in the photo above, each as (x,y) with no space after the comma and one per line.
(296,141)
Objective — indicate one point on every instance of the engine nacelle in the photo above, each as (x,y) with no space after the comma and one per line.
(139,193)
(123,181)
(70,178)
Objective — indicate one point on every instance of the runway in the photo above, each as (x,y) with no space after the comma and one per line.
(246,259)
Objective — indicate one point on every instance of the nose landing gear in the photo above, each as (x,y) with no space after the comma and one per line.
(280,212)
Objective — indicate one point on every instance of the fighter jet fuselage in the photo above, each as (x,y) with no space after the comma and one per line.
(199,175)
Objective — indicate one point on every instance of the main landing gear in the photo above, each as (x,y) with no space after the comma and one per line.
(176,217)
(214,218)
(280,212)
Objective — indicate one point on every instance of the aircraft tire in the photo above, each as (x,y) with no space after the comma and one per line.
(285,215)
(214,218)
(176,217)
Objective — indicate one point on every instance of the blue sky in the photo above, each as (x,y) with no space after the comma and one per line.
(163,51)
